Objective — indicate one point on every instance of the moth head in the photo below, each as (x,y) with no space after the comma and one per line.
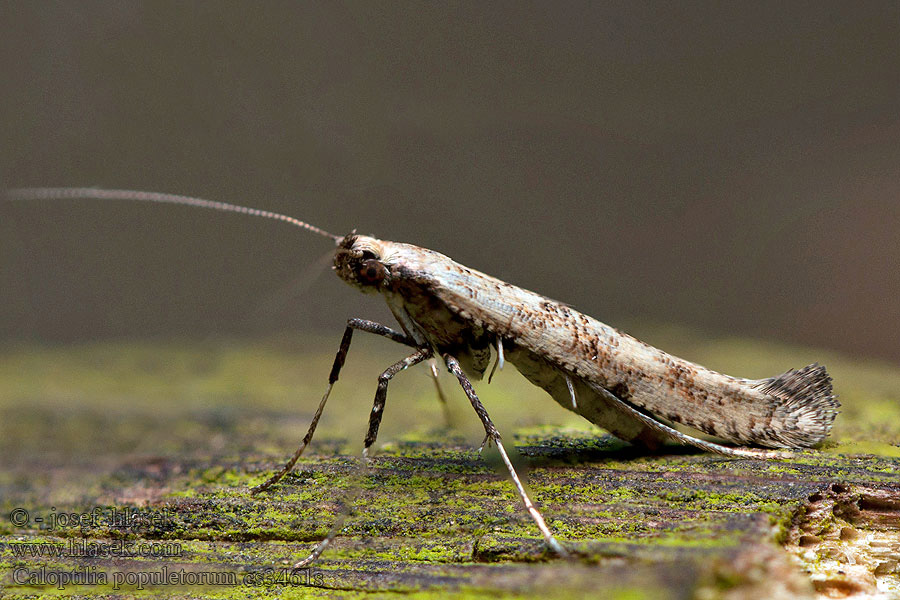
(358,261)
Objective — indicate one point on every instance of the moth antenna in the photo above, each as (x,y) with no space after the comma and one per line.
(101,194)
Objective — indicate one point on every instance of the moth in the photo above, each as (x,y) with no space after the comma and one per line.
(468,320)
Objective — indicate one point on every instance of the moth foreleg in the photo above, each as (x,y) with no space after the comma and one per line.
(352,324)
(494,436)
(374,421)
(381,392)
(345,506)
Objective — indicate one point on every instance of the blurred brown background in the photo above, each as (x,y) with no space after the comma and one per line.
(733,167)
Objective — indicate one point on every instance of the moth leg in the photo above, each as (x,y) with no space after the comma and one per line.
(500,361)
(494,436)
(684,438)
(571,392)
(362,325)
(374,422)
(381,392)
(343,512)
(445,407)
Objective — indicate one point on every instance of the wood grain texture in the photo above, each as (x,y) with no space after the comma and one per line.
(178,433)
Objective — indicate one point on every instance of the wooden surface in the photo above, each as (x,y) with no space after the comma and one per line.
(176,432)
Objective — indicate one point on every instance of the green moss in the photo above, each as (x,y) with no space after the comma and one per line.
(864,447)
(185,429)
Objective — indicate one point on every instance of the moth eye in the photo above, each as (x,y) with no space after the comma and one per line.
(371,272)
